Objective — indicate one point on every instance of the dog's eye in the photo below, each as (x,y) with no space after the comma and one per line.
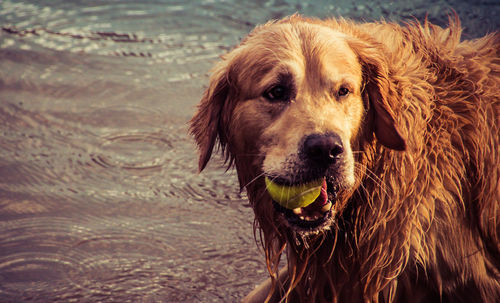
(277,93)
(343,91)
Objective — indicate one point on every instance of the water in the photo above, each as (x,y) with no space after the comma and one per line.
(100,200)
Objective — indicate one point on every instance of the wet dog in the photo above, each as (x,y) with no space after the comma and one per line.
(400,125)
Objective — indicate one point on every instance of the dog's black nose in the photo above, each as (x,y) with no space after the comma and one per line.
(323,148)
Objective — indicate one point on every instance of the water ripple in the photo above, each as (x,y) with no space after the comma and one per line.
(133,151)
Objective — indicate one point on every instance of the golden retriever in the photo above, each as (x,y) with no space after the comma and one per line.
(402,123)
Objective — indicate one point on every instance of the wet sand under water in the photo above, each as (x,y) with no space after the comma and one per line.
(100,199)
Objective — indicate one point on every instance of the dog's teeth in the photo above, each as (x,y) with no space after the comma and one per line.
(326,207)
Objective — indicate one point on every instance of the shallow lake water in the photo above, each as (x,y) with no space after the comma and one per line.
(100,199)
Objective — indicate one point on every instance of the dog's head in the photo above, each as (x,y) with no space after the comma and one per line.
(295,103)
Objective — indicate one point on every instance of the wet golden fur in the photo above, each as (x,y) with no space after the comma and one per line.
(419,225)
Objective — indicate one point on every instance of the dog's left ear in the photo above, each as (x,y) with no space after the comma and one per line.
(379,93)
(208,124)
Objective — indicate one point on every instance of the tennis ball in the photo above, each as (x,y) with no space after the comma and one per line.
(296,195)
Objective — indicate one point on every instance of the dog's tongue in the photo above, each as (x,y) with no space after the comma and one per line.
(322,199)
(317,209)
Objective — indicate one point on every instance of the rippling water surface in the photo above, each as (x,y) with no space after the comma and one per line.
(100,199)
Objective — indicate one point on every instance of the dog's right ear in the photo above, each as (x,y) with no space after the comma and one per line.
(208,124)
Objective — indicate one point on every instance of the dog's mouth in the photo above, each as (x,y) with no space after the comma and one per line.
(317,215)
